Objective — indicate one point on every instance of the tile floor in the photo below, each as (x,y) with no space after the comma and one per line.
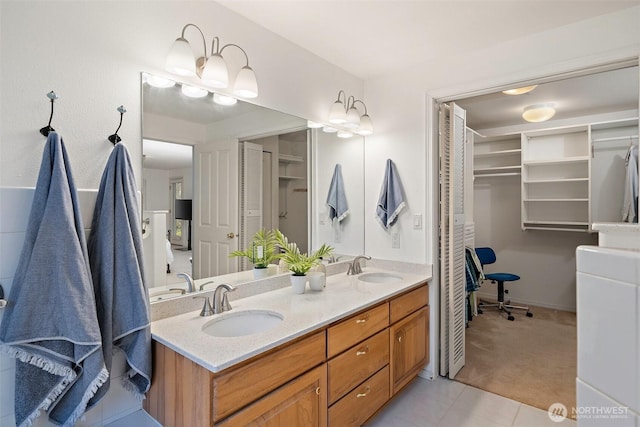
(446,403)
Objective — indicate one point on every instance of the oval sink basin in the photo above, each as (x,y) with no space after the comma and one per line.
(379,278)
(242,323)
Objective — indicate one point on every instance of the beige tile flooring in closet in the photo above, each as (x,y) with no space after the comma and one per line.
(446,403)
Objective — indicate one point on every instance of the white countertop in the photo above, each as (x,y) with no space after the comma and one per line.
(302,313)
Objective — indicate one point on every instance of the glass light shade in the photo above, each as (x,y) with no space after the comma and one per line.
(519,90)
(344,134)
(180,59)
(246,84)
(329,129)
(337,114)
(366,126)
(161,82)
(224,99)
(538,112)
(314,125)
(194,92)
(353,118)
(215,72)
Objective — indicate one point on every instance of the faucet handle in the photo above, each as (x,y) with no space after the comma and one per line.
(225,302)
(205,284)
(207,310)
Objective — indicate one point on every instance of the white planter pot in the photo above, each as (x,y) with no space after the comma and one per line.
(298,284)
(259,273)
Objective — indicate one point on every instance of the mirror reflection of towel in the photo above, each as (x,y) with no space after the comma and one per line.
(391,200)
(337,198)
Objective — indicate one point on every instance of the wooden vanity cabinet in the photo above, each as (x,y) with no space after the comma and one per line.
(339,376)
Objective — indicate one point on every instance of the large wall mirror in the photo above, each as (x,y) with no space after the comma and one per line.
(215,171)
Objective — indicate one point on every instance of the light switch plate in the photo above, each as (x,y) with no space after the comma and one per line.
(417,222)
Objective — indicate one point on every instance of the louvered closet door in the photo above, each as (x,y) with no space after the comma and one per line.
(452,239)
(250,195)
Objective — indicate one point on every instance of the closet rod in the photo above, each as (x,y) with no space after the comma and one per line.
(615,138)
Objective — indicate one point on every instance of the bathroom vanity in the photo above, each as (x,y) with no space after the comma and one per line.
(335,358)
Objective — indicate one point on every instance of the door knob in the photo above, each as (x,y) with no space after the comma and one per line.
(231,235)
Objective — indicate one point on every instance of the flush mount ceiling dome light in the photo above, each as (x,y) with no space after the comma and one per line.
(519,90)
(539,112)
(344,113)
(212,69)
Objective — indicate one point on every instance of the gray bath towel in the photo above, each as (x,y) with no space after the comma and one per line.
(115,254)
(337,198)
(391,200)
(50,325)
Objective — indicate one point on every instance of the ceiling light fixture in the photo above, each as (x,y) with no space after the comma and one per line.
(519,90)
(539,112)
(344,113)
(212,70)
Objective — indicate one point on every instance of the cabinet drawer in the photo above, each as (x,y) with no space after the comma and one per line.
(236,389)
(357,406)
(409,302)
(357,364)
(356,328)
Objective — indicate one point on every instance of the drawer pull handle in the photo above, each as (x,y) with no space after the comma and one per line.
(363,351)
(399,338)
(364,319)
(318,391)
(367,390)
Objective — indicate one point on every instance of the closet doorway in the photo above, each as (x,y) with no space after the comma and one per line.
(532,192)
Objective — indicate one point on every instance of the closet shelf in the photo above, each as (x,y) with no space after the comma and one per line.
(289,158)
(556,200)
(498,153)
(488,175)
(555,180)
(496,169)
(289,178)
(565,160)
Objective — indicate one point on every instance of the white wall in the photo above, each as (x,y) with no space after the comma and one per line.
(91,54)
(404,119)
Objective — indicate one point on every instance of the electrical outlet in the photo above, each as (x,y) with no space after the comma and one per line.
(395,240)
(321,218)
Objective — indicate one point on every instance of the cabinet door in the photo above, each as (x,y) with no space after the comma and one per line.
(301,402)
(409,348)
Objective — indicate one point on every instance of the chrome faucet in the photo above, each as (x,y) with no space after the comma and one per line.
(220,299)
(190,286)
(354,267)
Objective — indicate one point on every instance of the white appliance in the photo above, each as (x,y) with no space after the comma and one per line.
(608,315)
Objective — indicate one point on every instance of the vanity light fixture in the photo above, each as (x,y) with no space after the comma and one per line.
(329,129)
(519,90)
(539,112)
(345,114)
(193,91)
(212,70)
(224,99)
(314,125)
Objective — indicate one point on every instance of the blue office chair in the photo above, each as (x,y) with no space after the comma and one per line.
(488,256)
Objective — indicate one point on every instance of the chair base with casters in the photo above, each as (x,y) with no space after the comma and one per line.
(488,256)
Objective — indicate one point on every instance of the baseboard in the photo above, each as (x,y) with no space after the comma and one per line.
(492,297)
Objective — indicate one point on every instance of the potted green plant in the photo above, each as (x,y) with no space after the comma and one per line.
(261,252)
(299,263)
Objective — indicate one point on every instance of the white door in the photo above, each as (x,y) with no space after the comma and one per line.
(452,238)
(250,195)
(216,208)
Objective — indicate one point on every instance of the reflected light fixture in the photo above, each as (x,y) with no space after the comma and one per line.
(157,81)
(345,114)
(212,69)
(193,91)
(519,90)
(314,125)
(224,99)
(538,112)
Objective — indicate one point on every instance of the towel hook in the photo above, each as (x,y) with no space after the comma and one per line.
(115,138)
(47,129)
